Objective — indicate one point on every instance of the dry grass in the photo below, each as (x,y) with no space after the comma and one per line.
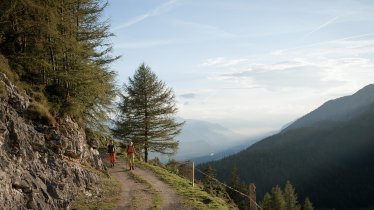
(4,68)
(40,113)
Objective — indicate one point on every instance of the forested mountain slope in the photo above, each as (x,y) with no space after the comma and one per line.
(332,163)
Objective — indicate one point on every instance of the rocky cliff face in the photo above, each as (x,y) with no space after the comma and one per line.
(41,167)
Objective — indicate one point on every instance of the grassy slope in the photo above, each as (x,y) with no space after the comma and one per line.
(194,197)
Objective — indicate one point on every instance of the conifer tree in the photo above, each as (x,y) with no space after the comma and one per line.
(61,49)
(308,205)
(290,197)
(147,112)
(208,182)
(266,203)
(235,182)
(278,201)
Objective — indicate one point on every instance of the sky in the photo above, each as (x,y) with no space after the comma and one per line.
(251,66)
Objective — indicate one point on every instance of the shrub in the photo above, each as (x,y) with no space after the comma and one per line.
(4,68)
(39,113)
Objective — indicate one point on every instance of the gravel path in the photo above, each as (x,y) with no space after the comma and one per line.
(170,200)
(133,194)
(137,195)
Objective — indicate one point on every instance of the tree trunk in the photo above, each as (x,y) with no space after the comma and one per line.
(146,152)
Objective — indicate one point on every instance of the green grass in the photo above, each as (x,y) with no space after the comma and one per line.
(193,197)
(106,198)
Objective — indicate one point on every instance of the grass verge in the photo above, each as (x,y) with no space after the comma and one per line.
(193,197)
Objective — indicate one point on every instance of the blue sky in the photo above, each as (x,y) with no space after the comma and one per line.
(251,66)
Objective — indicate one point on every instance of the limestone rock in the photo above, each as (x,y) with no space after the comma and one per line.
(41,166)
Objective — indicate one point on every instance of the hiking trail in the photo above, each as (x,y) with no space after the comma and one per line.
(142,189)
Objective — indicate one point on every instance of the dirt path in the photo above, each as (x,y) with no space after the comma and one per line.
(170,200)
(133,194)
(136,194)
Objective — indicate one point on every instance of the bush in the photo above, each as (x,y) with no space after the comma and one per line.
(4,68)
(39,113)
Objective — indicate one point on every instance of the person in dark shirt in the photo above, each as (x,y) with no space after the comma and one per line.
(112,152)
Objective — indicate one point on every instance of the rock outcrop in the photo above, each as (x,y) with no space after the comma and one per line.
(41,167)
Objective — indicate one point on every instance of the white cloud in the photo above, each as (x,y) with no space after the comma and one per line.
(144,44)
(156,11)
(222,62)
(320,27)
(205,29)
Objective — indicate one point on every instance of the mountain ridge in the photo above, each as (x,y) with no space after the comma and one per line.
(331,163)
(339,109)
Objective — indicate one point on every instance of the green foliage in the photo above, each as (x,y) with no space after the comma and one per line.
(277,199)
(281,200)
(62,47)
(266,203)
(213,187)
(147,114)
(172,166)
(290,197)
(308,205)
(235,182)
(4,68)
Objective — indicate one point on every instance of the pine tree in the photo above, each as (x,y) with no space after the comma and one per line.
(208,182)
(212,186)
(234,182)
(266,203)
(278,201)
(147,113)
(308,205)
(290,197)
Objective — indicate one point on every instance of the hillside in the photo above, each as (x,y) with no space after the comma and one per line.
(41,166)
(331,163)
(338,110)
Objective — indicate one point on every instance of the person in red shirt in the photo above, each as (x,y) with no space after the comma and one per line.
(131,155)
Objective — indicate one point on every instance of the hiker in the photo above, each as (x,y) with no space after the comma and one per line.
(112,152)
(131,155)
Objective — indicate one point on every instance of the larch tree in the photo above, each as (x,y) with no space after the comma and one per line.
(278,202)
(235,182)
(266,203)
(60,49)
(147,114)
(290,197)
(308,205)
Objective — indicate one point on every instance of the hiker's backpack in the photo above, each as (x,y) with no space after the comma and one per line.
(111,148)
(130,149)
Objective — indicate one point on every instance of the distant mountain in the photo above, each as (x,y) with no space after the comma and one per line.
(339,110)
(328,155)
(231,150)
(201,138)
